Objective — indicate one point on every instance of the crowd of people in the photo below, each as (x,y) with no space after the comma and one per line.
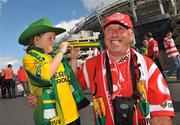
(9,81)
(151,49)
(128,88)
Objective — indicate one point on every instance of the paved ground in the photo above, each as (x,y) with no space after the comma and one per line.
(175,92)
(17,112)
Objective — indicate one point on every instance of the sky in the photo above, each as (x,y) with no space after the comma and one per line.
(16,15)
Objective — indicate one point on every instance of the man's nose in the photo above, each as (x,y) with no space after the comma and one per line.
(115,34)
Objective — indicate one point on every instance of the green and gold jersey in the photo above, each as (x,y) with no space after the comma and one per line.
(41,69)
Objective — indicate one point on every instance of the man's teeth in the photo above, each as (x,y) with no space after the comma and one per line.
(114,41)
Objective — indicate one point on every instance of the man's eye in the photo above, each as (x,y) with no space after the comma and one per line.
(122,29)
(109,30)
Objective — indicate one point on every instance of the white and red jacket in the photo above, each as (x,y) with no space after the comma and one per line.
(92,74)
(170,47)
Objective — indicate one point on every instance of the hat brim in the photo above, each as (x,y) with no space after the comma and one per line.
(114,22)
(25,37)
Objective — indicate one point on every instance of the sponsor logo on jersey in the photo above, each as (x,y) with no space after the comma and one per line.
(167,104)
(125,58)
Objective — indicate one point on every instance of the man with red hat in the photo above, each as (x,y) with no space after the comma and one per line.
(127,87)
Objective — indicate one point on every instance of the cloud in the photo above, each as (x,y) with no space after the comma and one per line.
(3,1)
(4,61)
(94,4)
(1,4)
(68,25)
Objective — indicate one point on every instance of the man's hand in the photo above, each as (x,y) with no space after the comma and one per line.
(32,100)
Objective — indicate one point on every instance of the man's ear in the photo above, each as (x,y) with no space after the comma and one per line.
(131,34)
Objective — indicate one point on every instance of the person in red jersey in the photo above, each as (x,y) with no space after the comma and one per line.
(172,54)
(22,79)
(111,87)
(8,75)
(153,48)
(153,51)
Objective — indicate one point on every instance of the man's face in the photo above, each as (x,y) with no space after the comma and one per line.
(146,38)
(169,34)
(117,38)
(145,42)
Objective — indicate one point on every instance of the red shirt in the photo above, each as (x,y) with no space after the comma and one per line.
(153,48)
(92,74)
(8,73)
(170,47)
(21,75)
